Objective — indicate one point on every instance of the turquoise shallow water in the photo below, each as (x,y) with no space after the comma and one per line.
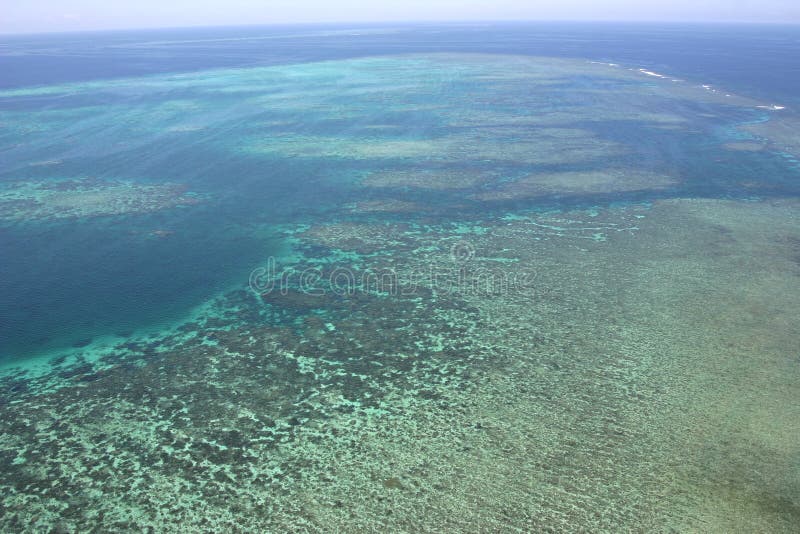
(72,276)
(402,290)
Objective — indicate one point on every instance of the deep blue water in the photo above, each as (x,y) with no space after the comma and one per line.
(760,60)
(63,284)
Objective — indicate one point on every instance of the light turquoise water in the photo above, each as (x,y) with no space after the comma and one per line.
(505,293)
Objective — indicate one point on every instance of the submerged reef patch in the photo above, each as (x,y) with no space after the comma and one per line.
(87,197)
(386,205)
(502,305)
(579,183)
(593,397)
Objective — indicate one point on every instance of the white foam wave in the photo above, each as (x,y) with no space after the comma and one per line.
(651,73)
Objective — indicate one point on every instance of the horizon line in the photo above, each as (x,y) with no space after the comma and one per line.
(407,23)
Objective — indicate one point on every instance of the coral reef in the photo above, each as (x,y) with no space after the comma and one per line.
(502,305)
(579,183)
(594,396)
(87,197)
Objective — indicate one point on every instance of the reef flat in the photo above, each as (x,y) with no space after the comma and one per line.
(510,308)
(34,201)
(599,393)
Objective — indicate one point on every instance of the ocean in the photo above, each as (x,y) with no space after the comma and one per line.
(120,284)
(423,277)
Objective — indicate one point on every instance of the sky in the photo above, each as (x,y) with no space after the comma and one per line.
(33,16)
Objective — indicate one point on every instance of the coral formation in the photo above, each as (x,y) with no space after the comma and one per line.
(87,197)
(503,307)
